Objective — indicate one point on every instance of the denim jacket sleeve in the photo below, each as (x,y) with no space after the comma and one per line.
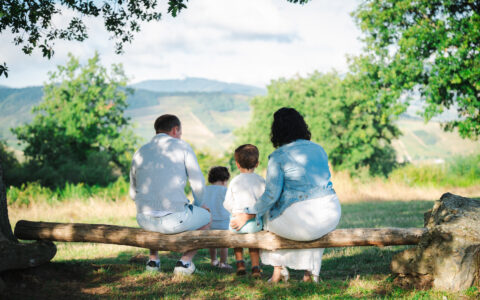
(273,188)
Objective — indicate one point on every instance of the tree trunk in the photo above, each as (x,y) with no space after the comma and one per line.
(14,255)
(448,255)
(97,233)
(6,233)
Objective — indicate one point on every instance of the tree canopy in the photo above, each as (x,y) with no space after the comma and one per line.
(351,118)
(79,132)
(431,48)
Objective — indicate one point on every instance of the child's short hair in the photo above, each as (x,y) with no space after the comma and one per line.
(218,173)
(247,156)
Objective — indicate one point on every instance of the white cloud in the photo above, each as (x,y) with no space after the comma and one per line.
(247,41)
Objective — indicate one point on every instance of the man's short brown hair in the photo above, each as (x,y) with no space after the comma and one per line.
(247,156)
(165,123)
(218,173)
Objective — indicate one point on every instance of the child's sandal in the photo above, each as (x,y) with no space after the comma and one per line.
(256,272)
(241,267)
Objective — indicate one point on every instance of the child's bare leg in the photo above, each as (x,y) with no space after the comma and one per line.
(223,255)
(240,262)
(238,253)
(254,256)
(154,255)
(213,256)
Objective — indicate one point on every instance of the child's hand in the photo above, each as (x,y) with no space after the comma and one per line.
(240,220)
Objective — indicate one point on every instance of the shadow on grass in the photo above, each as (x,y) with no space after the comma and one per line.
(124,277)
(346,272)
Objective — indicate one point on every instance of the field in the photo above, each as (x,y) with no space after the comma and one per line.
(207,130)
(427,143)
(94,271)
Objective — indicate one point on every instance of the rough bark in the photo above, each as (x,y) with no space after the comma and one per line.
(97,233)
(448,255)
(14,255)
(6,233)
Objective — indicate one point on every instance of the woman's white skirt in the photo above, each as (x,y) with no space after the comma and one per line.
(303,221)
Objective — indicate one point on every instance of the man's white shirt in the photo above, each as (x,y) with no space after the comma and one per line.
(159,173)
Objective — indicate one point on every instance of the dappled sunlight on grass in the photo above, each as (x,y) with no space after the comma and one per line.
(98,271)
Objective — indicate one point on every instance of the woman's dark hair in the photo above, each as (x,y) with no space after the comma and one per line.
(288,125)
(218,173)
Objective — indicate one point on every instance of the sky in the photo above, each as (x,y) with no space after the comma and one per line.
(241,41)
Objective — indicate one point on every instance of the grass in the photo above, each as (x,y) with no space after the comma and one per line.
(86,270)
(96,271)
(460,175)
(459,171)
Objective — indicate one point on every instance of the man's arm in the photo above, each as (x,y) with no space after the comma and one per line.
(195,176)
(132,192)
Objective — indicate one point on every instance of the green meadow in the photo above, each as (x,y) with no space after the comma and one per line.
(98,271)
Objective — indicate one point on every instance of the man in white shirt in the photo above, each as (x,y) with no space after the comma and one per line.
(158,176)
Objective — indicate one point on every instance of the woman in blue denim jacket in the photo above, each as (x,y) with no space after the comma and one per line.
(299,202)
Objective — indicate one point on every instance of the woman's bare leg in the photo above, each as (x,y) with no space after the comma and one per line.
(277,274)
(307,276)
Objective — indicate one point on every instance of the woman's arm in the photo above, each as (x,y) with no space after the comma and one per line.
(273,188)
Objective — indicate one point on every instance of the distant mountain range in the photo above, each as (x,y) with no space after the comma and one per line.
(193,84)
(210,110)
(201,103)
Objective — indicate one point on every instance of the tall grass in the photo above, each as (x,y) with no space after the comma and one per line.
(33,192)
(411,182)
(460,171)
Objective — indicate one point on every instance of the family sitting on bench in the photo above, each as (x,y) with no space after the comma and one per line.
(296,201)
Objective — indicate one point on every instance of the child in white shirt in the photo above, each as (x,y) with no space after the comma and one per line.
(243,191)
(214,196)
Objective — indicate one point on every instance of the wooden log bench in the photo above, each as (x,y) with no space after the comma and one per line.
(447,256)
(181,242)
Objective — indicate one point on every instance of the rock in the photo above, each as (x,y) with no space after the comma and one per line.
(448,254)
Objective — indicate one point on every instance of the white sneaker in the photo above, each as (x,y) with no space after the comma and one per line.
(215,263)
(225,266)
(153,266)
(184,269)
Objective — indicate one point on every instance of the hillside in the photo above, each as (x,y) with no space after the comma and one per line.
(210,116)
